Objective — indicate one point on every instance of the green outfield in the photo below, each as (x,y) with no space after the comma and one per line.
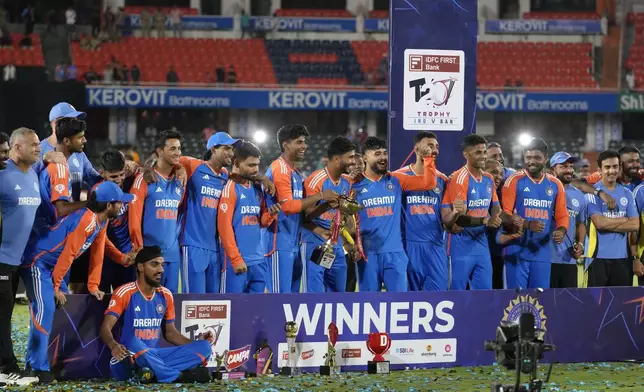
(574,377)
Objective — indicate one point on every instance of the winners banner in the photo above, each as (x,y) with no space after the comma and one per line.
(427,329)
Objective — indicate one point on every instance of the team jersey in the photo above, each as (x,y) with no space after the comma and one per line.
(118,229)
(153,215)
(605,244)
(597,176)
(577,214)
(285,232)
(638,196)
(66,241)
(479,196)
(203,191)
(19,201)
(142,317)
(80,169)
(545,201)
(242,213)
(421,211)
(55,185)
(507,172)
(318,182)
(380,220)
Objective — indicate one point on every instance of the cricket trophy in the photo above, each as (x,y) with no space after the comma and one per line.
(378,343)
(291,333)
(330,368)
(324,254)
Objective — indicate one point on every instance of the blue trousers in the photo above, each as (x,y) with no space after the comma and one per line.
(252,281)
(286,271)
(166,363)
(40,292)
(389,268)
(115,275)
(475,270)
(319,279)
(200,270)
(428,268)
(526,274)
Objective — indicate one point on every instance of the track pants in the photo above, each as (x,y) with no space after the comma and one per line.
(200,270)
(286,271)
(389,268)
(318,279)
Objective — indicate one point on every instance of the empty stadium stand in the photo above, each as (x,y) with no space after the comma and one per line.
(635,60)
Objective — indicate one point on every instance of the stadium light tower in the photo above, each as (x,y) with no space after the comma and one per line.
(260,136)
(525,138)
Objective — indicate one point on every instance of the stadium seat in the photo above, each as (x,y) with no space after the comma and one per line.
(314,13)
(23,57)
(135,9)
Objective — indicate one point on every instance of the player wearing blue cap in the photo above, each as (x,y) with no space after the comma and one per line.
(147,310)
(19,200)
(563,273)
(52,257)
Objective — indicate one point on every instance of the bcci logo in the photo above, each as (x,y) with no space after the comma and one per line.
(441,90)
(623,201)
(526,303)
(549,191)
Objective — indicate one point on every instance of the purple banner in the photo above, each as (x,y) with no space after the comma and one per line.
(428,329)
(431,87)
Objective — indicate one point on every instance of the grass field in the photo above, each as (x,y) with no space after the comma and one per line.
(574,377)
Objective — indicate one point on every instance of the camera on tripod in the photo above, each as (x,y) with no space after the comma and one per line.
(517,347)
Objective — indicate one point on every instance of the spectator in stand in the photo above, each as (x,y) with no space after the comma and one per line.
(70,21)
(108,73)
(119,24)
(232,76)
(85,43)
(71,72)
(383,69)
(175,22)
(25,42)
(125,74)
(135,74)
(171,76)
(146,22)
(221,74)
(29,19)
(159,23)
(5,37)
(117,76)
(110,22)
(61,72)
(630,79)
(91,76)
(9,73)
(245,24)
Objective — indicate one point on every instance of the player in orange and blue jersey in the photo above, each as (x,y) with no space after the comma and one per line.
(147,310)
(153,216)
(200,256)
(282,238)
(242,213)
(471,202)
(52,257)
(380,192)
(423,230)
(608,250)
(540,200)
(317,278)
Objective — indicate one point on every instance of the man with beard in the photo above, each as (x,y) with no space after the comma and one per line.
(494,152)
(4,150)
(319,278)
(611,263)
(19,201)
(282,238)
(540,200)
(379,223)
(496,170)
(423,230)
(51,258)
(242,213)
(153,216)
(470,201)
(564,255)
(147,309)
(629,175)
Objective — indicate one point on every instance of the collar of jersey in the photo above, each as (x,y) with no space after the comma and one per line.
(287,164)
(143,295)
(335,183)
(535,182)
(372,179)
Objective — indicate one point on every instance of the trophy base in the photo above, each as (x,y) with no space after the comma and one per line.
(290,371)
(330,370)
(381,367)
(229,375)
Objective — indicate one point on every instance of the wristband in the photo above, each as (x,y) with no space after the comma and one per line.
(633,258)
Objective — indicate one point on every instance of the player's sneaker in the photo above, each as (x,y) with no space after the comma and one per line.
(199,375)
(17,379)
(145,375)
(44,377)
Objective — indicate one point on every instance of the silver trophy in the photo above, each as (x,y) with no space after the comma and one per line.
(291,333)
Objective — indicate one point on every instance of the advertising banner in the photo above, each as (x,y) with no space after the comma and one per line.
(376,25)
(193,22)
(631,102)
(546,102)
(538,26)
(427,329)
(269,23)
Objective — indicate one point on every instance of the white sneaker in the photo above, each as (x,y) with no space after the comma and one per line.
(17,379)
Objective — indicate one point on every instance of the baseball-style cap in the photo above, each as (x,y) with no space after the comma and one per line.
(64,109)
(584,162)
(109,192)
(221,139)
(561,157)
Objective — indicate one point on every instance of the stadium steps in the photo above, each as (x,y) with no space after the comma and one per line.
(610,54)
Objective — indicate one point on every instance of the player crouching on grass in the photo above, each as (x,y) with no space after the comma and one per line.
(145,305)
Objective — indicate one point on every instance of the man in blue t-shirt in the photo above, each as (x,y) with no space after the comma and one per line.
(19,201)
